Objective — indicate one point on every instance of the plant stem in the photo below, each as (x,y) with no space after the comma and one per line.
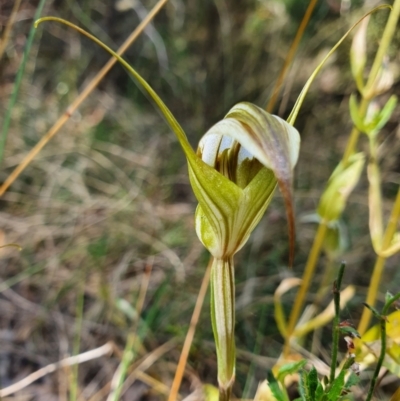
(385,310)
(336,297)
(223,322)
(379,265)
(306,279)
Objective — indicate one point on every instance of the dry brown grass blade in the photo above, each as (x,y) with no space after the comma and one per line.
(72,360)
(7,30)
(78,101)
(190,334)
(290,55)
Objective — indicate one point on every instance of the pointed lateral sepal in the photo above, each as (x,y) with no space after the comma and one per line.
(340,185)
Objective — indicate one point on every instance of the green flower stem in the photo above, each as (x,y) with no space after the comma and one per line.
(223,322)
(385,311)
(335,342)
(379,265)
(306,279)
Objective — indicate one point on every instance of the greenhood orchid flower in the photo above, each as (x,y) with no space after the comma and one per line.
(252,150)
(249,152)
(238,164)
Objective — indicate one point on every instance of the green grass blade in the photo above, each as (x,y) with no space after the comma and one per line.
(18,80)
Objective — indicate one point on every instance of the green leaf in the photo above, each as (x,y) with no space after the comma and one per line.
(352,381)
(306,386)
(319,393)
(380,120)
(337,387)
(313,382)
(340,185)
(349,330)
(358,121)
(290,368)
(388,297)
(374,311)
(275,388)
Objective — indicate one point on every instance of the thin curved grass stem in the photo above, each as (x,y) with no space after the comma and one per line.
(379,266)
(79,100)
(306,279)
(289,58)
(190,334)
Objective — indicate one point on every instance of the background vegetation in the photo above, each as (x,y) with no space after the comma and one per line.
(109,196)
